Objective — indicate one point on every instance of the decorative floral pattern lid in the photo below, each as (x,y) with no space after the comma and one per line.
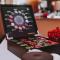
(18,20)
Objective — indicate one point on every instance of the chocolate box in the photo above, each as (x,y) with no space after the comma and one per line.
(21,30)
(19,23)
(2,34)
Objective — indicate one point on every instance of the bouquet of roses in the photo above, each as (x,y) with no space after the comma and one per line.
(54,34)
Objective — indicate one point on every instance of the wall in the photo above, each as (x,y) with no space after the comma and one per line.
(6,1)
(9,1)
(57,5)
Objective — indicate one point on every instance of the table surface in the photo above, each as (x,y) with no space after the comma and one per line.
(5,54)
(45,25)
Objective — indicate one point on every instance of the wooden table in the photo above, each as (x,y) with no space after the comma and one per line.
(44,25)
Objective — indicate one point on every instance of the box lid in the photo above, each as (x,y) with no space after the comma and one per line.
(18,20)
(2,34)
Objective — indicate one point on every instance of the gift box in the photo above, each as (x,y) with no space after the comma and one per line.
(2,34)
(18,23)
(21,29)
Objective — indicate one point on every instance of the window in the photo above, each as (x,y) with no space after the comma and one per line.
(2,1)
(19,2)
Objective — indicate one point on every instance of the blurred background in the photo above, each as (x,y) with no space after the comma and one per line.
(42,9)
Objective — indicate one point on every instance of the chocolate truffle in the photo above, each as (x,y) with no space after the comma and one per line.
(37,56)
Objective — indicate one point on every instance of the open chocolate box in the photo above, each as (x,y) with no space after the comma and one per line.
(21,29)
(2,35)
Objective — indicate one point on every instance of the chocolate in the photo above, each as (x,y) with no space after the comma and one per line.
(37,56)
